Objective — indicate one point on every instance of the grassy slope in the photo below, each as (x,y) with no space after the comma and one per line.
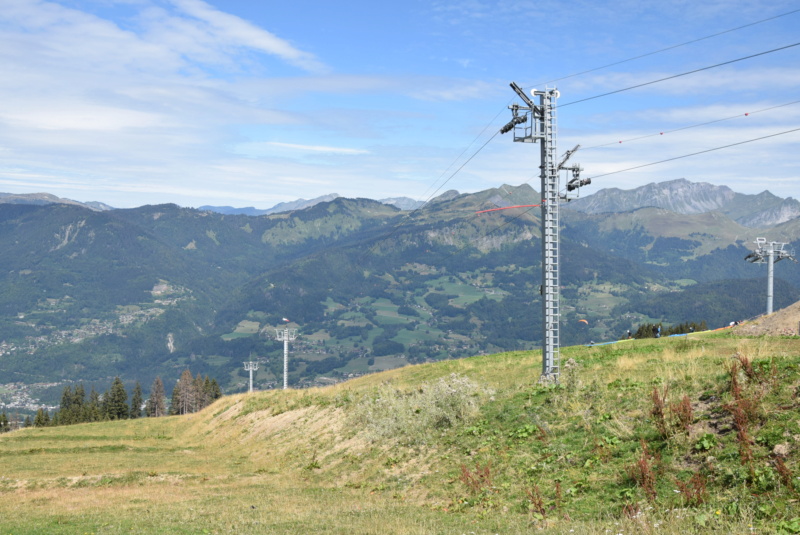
(297,461)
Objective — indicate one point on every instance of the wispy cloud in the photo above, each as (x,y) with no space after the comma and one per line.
(230,30)
(455,90)
(316,148)
(146,101)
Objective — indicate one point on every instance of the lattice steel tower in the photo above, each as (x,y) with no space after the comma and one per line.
(286,335)
(541,128)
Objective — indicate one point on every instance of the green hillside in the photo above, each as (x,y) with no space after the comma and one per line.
(86,296)
(696,434)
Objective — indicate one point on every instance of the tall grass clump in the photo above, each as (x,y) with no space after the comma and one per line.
(412,416)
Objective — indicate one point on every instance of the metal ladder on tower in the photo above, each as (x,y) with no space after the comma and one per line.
(551,363)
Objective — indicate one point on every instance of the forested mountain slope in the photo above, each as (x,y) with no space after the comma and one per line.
(86,295)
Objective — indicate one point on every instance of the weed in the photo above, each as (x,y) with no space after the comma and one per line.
(631,510)
(529,430)
(763,479)
(642,473)
(658,411)
(746,366)
(537,502)
(693,492)
(682,412)
(785,475)
(558,494)
(313,464)
(735,385)
(706,442)
(477,480)
(601,450)
(740,420)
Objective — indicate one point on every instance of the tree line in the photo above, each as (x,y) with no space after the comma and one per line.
(190,394)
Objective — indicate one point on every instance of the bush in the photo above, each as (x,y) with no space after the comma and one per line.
(411,416)
(381,348)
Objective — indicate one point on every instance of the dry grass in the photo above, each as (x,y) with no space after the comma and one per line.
(290,462)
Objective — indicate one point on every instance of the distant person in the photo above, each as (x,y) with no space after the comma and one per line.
(629,334)
(658,332)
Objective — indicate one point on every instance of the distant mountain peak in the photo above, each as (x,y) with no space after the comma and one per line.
(40,199)
(403,203)
(682,196)
(299,204)
(448,195)
(679,196)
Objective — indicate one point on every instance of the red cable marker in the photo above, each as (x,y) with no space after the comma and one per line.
(508,207)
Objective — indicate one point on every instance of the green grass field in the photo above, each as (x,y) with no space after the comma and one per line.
(459,446)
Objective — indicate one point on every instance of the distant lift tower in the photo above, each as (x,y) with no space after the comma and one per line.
(534,123)
(769,253)
(251,367)
(286,335)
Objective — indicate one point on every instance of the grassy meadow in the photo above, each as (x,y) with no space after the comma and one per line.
(684,435)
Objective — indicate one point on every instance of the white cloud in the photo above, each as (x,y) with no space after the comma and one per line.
(179,101)
(229,29)
(455,90)
(77,116)
(316,148)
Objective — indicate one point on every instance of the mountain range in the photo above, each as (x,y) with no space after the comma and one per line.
(684,197)
(403,203)
(680,196)
(88,294)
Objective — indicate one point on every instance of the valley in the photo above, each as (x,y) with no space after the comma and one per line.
(88,295)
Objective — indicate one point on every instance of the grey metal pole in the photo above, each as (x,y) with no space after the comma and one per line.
(285,358)
(251,366)
(769,252)
(286,335)
(770,274)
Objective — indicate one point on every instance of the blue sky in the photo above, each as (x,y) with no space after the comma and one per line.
(244,103)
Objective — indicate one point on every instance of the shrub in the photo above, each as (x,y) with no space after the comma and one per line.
(411,416)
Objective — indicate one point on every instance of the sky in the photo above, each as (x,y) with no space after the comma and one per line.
(243,103)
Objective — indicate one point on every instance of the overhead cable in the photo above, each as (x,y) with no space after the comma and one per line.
(737,116)
(696,153)
(681,74)
(668,48)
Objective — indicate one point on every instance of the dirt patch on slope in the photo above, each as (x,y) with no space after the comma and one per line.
(784,322)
